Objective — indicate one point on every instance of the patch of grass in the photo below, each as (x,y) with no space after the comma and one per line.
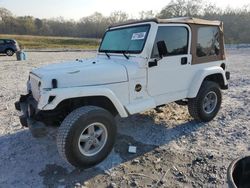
(44,42)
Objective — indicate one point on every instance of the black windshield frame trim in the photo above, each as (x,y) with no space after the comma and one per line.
(122,51)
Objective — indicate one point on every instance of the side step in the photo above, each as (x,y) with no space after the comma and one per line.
(158,108)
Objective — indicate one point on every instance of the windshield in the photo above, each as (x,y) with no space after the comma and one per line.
(125,40)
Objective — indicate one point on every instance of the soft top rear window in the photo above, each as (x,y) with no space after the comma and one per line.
(208,43)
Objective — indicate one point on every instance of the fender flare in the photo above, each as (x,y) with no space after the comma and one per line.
(68,93)
(199,78)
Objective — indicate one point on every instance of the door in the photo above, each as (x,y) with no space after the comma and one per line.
(2,46)
(171,76)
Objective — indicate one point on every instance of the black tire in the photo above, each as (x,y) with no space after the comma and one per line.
(195,105)
(9,52)
(72,128)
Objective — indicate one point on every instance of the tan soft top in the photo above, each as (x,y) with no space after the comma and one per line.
(188,20)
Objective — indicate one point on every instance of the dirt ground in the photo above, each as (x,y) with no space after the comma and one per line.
(172,149)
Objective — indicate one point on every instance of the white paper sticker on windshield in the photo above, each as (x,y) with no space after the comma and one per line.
(138,36)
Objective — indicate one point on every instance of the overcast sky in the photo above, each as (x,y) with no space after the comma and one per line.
(75,9)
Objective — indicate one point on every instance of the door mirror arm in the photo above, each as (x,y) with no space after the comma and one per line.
(162,49)
(157,59)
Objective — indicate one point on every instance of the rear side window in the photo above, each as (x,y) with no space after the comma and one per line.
(176,39)
(1,41)
(208,41)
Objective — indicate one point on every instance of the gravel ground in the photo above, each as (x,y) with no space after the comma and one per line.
(172,149)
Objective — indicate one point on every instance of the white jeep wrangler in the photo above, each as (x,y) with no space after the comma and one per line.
(139,66)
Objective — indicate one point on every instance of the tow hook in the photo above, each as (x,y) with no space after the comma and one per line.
(227,75)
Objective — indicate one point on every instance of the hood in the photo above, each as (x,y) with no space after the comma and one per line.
(82,73)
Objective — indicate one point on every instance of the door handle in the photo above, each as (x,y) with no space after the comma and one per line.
(184,60)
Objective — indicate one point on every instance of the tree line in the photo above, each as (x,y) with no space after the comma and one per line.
(236,21)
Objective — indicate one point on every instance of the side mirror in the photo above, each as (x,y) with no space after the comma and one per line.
(162,48)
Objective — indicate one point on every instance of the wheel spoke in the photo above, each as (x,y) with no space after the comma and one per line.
(206,104)
(84,138)
(87,146)
(91,130)
(98,133)
(205,100)
(96,142)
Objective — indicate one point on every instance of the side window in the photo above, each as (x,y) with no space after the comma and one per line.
(208,41)
(1,42)
(176,39)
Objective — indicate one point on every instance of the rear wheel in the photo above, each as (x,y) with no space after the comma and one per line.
(86,136)
(9,52)
(206,104)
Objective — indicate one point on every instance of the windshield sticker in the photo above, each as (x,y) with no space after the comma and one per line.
(138,36)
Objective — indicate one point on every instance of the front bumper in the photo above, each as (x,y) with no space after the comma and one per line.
(27,105)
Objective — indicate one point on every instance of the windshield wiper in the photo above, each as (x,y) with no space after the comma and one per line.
(125,55)
(107,54)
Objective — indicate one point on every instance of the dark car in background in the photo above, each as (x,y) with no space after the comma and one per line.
(8,47)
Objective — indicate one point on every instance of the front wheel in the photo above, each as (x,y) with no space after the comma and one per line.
(9,52)
(86,136)
(205,106)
